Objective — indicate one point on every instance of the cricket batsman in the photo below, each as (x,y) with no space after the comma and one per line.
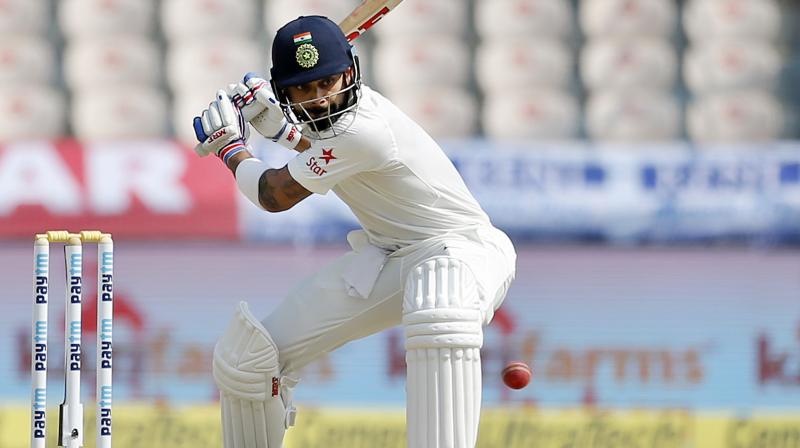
(427,257)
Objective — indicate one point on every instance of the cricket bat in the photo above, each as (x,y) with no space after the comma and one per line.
(367,14)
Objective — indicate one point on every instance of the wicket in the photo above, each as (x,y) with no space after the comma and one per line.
(71,410)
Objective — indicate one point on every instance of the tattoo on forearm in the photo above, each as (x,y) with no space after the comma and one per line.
(278,191)
(266,193)
(294,190)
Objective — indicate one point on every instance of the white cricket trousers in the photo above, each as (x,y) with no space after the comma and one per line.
(318,315)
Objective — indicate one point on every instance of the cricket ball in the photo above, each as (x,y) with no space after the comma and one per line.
(517,375)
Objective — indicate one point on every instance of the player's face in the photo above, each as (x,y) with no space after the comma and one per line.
(319,97)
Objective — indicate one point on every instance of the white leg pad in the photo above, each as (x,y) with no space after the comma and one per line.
(442,320)
(255,398)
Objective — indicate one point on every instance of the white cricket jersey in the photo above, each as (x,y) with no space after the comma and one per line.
(395,178)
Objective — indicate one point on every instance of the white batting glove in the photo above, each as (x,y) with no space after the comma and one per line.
(261,109)
(219,126)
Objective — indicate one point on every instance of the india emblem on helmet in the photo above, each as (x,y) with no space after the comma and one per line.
(307,55)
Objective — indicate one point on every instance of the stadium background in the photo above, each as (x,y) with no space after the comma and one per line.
(643,154)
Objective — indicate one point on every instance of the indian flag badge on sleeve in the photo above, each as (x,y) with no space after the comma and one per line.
(302,38)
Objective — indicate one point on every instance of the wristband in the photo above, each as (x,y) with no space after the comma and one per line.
(230,150)
(289,136)
(248,175)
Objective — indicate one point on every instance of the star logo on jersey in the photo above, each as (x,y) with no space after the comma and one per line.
(327,155)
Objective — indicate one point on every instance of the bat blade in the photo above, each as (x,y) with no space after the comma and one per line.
(367,14)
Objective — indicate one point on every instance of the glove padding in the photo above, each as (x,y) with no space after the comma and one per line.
(259,106)
(219,125)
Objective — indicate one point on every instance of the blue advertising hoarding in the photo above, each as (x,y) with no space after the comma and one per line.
(669,192)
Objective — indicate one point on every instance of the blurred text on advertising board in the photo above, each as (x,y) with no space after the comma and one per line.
(699,329)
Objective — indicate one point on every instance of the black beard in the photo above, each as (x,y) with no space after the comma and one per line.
(327,116)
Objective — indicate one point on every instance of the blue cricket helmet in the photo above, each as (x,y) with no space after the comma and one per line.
(309,48)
